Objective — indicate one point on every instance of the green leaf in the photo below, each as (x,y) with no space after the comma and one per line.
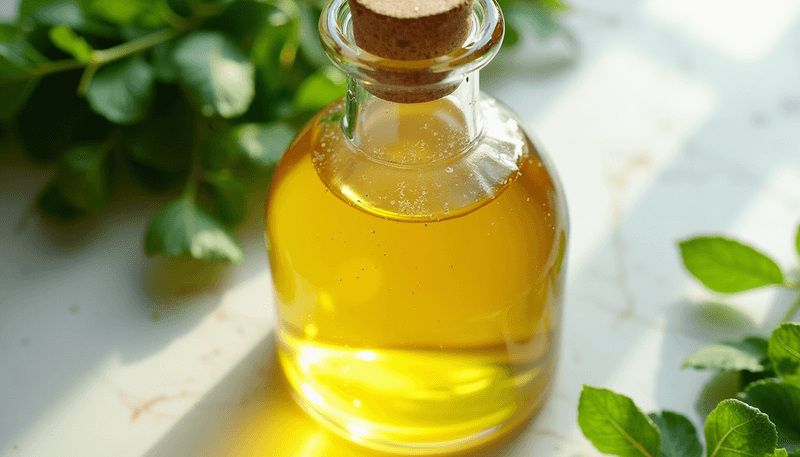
(781,402)
(14,95)
(161,61)
(747,354)
(678,435)
(734,429)
(184,228)
(315,3)
(56,110)
(554,5)
(9,32)
(263,144)
(260,144)
(180,7)
(134,33)
(218,2)
(153,179)
(68,41)
(242,20)
(28,7)
(69,13)
(121,91)
(228,196)
(83,177)
(142,13)
(797,240)
(9,65)
(54,13)
(218,71)
(748,377)
(614,424)
(18,57)
(273,52)
(221,152)
(320,89)
(164,141)
(725,265)
(783,453)
(784,352)
(51,203)
(511,36)
(309,36)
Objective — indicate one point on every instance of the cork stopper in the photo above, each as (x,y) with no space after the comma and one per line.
(410,30)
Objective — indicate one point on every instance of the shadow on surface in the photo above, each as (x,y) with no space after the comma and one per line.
(712,322)
(80,296)
(251,413)
(219,416)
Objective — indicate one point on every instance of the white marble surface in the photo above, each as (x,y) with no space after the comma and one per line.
(670,118)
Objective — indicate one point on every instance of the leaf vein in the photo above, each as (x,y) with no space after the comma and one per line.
(737,451)
(789,349)
(724,437)
(625,434)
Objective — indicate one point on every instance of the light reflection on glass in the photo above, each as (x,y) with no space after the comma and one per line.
(367,356)
(272,424)
(312,395)
(357,430)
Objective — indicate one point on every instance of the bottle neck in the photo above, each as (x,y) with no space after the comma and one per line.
(410,133)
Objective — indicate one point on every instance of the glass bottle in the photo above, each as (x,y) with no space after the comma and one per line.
(417,249)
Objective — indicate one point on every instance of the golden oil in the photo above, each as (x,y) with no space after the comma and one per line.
(416,239)
(417,314)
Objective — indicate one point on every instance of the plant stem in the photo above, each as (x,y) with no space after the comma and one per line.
(86,78)
(792,309)
(132,47)
(51,67)
(101,57)
(190,189)
(201,131)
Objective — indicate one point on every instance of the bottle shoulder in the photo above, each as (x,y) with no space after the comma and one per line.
(453,180)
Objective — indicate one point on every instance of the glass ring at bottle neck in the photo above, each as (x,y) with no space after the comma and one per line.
(436,74)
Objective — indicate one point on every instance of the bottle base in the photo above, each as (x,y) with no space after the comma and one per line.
(405,401)
(447,448)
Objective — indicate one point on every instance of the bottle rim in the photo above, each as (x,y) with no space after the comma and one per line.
(482,44)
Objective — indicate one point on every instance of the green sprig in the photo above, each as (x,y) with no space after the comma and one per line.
(204,94)
(766,412)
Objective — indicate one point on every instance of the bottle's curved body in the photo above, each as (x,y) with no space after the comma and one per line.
(419,297)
